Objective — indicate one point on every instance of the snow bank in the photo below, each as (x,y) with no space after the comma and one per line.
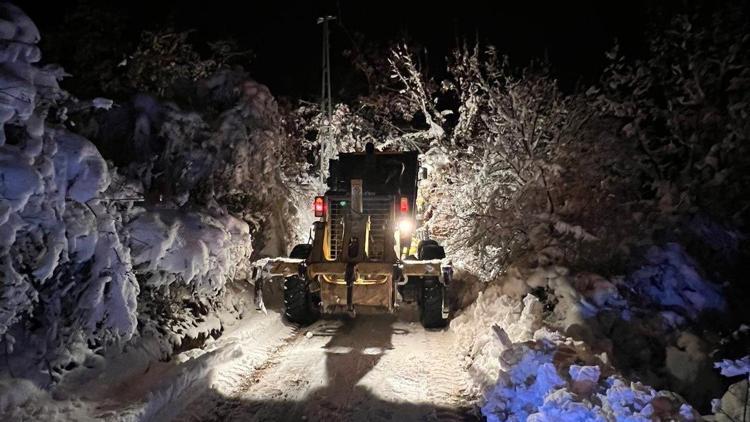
(21,400)
(669,283)
(523,371)
(184,260)
(733,368)
(671,279)
(538,384)
(475,334)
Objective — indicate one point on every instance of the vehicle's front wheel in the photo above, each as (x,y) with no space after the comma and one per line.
(301,306)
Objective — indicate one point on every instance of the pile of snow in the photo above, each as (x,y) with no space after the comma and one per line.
(192,256)
(671,280)
(21,400)
(733,368)
(523,371)
(576,299)
(537,385)
(475,335)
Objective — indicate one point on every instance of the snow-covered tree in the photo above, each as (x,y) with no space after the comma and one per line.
(80,263)
(63,263)
(685,106)
(165,58)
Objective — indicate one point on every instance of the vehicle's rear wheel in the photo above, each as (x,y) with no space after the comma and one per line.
(422,244)
(431,309)
(301,306)
(433,291)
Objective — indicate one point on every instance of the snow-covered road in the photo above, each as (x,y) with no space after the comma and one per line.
(372,368)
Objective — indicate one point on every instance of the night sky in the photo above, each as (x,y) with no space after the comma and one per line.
(286,40)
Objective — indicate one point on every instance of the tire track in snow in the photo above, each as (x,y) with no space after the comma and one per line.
(257,343)
(428,371)
(373,368)
(448,382)
(286,379)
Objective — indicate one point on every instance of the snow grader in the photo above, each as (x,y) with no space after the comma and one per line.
(363,252)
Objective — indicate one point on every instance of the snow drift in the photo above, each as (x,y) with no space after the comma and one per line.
(524,371)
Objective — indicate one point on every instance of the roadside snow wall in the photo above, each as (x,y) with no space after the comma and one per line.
(525,372)
(542,344)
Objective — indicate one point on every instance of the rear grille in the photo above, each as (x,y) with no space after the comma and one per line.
(336,227)
(379,209)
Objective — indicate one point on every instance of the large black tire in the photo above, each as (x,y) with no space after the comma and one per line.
(301,306)
(433,291)
(431,309)
(431,251)
(422,244)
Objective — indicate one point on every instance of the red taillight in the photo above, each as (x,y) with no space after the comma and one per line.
(404,205)
(320,206)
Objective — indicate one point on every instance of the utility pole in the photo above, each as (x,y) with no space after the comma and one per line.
(326,104)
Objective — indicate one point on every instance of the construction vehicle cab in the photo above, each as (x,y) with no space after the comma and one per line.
(361,253)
